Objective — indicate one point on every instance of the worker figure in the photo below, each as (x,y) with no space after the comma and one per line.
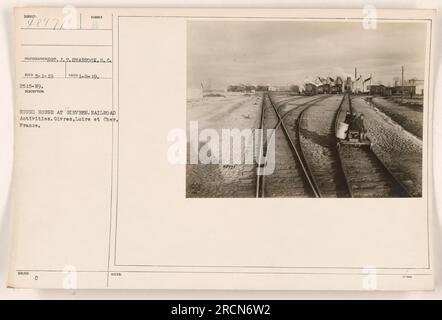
(360,127)
(347,117)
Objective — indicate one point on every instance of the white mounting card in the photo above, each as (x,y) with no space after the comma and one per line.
(267,149)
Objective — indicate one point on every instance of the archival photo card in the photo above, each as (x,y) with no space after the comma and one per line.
(143,137)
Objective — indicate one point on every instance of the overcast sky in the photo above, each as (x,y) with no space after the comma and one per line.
(279,53)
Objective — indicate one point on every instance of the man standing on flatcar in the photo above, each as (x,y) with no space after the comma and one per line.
(347,117)
(360,127)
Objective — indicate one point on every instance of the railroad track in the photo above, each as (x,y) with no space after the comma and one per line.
(365,174)
(285,101)
(317,132)
(292,176)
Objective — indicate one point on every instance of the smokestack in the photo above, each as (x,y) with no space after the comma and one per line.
(402,77)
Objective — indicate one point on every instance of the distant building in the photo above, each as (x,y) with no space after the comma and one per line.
(250,88)
(403,90)
(388,91)
(285,88)
(381,90)
(310,89)
(338,87)
(377,90)
(326,88)
(348,85)
(262,88)
(236,88)
(419,84)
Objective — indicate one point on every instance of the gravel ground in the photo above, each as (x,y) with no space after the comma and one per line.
(319,145)
(400,151)
(410,118)
(218,180)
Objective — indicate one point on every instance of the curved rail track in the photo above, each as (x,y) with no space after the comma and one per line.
(365,174)
(292,176)
(317,132)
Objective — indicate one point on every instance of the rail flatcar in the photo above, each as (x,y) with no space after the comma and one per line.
(351,128)
(353,131)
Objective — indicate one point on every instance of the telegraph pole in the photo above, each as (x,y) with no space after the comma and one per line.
(402,82)
(402,77)
(356,75)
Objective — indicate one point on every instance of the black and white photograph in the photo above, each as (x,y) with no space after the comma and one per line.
(305,109)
